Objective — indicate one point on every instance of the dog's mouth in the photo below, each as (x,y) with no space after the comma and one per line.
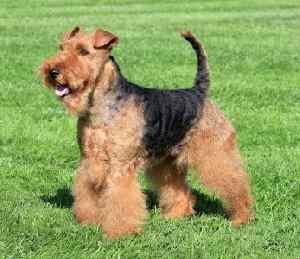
(62,90)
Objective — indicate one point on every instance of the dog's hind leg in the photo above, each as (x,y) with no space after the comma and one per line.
(175,198)
(213,153)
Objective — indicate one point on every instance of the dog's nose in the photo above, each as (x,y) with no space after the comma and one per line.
(54,73)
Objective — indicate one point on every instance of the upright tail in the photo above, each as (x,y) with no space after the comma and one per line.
(202,80)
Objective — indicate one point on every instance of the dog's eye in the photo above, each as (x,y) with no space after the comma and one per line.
(61,47)
(83,52)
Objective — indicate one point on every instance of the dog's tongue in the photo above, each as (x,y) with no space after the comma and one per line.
(61,90)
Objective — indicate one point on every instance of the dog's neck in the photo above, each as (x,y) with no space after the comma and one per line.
(106,81)
(103,102)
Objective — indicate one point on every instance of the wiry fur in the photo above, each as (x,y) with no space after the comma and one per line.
(123,127)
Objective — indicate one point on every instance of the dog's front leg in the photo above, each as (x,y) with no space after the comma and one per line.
(87,189)
(122,203)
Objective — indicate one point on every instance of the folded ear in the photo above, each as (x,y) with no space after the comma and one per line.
(104,39)
(69,35)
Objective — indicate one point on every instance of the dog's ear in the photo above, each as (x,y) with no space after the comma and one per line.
(74,31)
(69,35)
(104,39)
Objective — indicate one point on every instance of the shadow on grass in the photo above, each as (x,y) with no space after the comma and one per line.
(151,199)
(208,205)
(205,204)
(62,199)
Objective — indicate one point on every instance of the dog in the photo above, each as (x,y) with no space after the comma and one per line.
(123,127)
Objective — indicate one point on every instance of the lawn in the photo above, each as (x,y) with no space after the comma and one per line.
(254,55)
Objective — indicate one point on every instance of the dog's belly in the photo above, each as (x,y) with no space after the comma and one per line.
(169,115)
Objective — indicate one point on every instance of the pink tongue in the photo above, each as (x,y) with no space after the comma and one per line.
(61,90)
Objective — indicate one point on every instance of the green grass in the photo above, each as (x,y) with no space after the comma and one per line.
(253,49)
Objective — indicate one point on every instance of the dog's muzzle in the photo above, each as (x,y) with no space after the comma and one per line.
(53,73)
(62,90)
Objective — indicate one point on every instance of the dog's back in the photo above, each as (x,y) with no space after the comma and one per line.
(169,114)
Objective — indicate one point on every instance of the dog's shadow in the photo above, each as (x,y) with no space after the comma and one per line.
(209,205)
(205,204)
(62,199)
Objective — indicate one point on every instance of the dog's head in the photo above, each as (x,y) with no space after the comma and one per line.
(74,71)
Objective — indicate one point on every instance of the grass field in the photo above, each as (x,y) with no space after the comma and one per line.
(254,55)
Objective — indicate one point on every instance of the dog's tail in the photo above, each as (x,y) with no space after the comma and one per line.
(202,79)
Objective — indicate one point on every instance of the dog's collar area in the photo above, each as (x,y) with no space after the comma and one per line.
(62,90)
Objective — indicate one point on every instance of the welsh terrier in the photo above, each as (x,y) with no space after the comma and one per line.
(123,127)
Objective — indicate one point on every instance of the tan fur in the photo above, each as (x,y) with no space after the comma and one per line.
(175,198)
(219,164)
(106,189)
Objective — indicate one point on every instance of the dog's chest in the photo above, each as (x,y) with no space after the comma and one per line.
(116,127)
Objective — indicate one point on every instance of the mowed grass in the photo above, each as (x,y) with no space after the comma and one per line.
(253,49)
